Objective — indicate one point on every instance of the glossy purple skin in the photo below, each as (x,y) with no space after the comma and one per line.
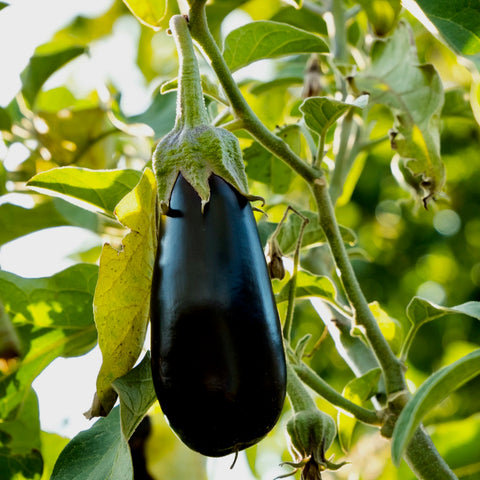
(218,361)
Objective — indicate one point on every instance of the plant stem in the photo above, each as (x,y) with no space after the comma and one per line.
(423,458)
(340,34)
(316,383)
(191,110)
(241,109)
(394,381)
(297,393)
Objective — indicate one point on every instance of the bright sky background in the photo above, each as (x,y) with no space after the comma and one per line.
(66,388)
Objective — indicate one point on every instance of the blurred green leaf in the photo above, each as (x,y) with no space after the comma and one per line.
(42,65)
(432,392)
(100,189)
(52,445)
(382,14)
(156,14)
(320,113)
(20,443)
(414,93)
(390,327)
(309,285)
(121,304)
(458,22)
(99,453)
(160,115)
(9,343)
(53,317)
(3,5)
(17,221)
(358,390)
(301,18)
(5,120)
(265,39)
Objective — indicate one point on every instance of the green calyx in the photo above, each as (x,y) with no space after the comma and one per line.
(193,147)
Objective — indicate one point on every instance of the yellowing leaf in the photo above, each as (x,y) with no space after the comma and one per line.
(122,296)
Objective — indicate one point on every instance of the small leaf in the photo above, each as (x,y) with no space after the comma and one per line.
(100,189)
(420,311)
(99,453)
(320,113)
(9,342)
(313,234)
(152,14)
(382,14)
(3,5)
(53,317)
(458,22)
(390,327)
(310,285)
(265,39)
(122,296)
(432,392)
(137,395)
(358,390)
(42,65)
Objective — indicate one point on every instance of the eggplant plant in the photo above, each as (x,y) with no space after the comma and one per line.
(277,233)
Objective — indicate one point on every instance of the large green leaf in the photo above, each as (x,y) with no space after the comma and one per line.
(122,295)
(16,221)
(42,65)
(99,453)
(53,317)
(458,22)
(102,452)
(265,39)
(100,189)
(414,94)
(431,393)
(20,443)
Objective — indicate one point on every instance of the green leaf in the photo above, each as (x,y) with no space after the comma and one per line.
(3,5)
(16,221)
(9,342)
(52,446)
(100,189)
(310,285)
(137,395)
(153,14)
(20,443)
(53,317)
(122,295)
(458,22)
(5,120)
(265,39)
(390,327)
(99,453)
(420,311)
(414,94)
(320,113)
(432,392)
(313,234)
(42,65)
(382,14)
(358,390)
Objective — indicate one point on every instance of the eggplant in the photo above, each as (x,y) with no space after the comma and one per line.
(218,361)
